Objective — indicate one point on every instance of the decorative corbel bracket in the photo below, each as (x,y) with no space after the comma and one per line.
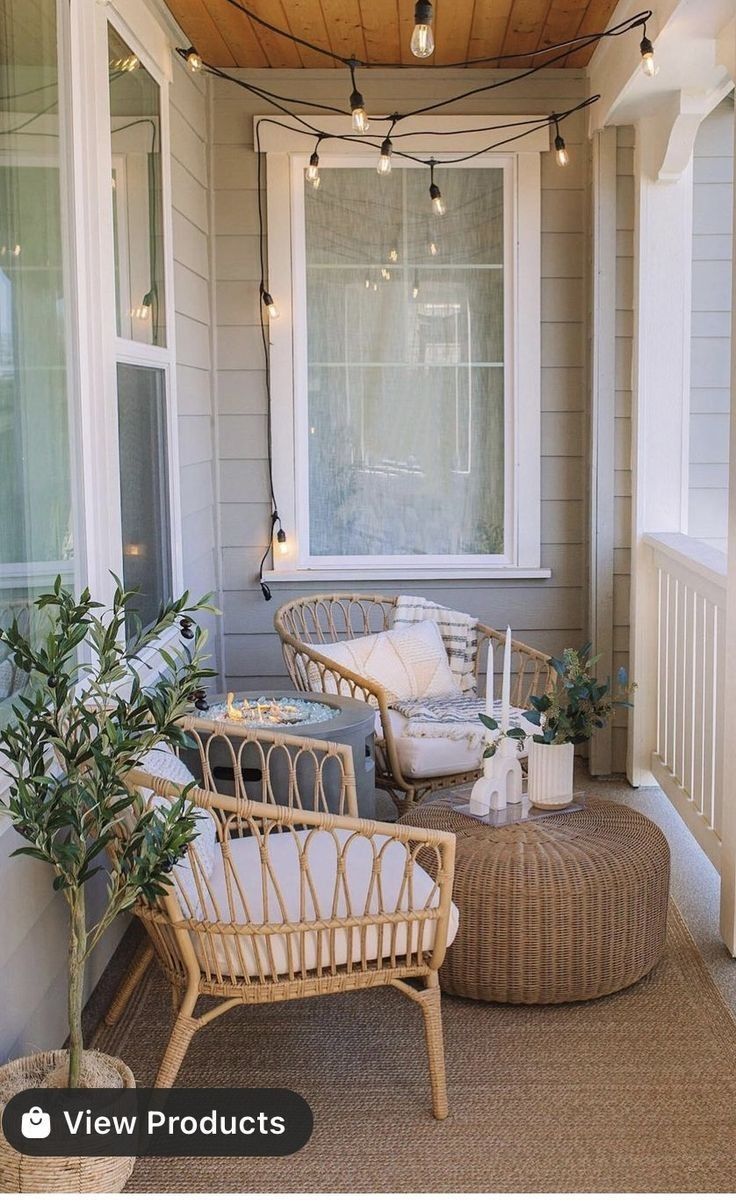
(677,124)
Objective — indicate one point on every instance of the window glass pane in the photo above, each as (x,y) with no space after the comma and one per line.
(36,527)
(144,486)
(406,364)
(135,131)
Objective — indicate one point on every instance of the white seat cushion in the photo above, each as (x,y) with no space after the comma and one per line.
(233,954)
(409,662)
(432,756)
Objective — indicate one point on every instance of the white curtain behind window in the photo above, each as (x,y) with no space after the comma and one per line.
(406,375)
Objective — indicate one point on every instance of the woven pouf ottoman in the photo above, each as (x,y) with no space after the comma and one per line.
(567,907)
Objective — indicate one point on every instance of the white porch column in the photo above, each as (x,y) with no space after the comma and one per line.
(727,49)
(660,403)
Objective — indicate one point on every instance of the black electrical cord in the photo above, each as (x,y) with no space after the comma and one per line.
(275,520)
(297,122)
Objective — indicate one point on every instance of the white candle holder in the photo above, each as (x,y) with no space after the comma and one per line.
(500,785)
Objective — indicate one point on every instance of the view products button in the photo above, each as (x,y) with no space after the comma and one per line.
(155,1123)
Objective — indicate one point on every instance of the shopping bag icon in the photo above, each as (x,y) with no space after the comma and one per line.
(35,1123)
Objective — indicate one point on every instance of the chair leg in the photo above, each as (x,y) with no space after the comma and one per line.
(429,1000)
(135,972)
(405,803)
(181,1036)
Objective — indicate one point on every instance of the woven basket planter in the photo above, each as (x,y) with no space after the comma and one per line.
(21,1173)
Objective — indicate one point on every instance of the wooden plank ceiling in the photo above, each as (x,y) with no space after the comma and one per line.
(378,31)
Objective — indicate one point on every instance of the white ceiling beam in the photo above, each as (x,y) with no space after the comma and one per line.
(690,52)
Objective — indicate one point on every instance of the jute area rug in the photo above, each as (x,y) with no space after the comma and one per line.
(636,1092)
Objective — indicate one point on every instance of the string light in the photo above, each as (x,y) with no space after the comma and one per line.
(422,46)
(384,162)
(282,545)
(439,208)
(270,305)
(422,38)
(193,60)
(357,106)
(648,65)
(562,154)
(312,172)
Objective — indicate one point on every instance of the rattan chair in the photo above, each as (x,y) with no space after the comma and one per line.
(301,901)
(328,618)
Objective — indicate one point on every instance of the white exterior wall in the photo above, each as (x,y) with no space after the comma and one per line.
(711,327)
(622,432)
(191,202)
(549,614)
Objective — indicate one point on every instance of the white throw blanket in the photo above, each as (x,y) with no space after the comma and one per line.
(459,635)
(454,717)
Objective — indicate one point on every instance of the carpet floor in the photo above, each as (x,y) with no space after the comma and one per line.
(635,1092)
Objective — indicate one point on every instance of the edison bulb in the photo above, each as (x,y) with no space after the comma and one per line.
(422,41)
(360,120)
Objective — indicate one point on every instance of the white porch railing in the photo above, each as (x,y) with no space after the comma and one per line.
(689,581)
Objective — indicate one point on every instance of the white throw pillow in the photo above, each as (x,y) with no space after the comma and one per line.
(409,662)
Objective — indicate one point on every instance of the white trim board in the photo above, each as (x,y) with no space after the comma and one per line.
(408,573)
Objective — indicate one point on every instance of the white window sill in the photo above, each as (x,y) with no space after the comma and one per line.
(502,573)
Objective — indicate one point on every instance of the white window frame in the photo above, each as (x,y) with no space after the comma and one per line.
(93,348)
(286,158)
(100,349)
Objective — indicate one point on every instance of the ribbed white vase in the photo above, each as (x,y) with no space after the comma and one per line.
(550,774)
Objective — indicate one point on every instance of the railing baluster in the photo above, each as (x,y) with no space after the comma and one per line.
(672,634)
(709,710)
(686,772)
(690,583)
(699,701)
(661,660)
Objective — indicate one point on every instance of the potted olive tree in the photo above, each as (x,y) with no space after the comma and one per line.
(578,706)
(82,722)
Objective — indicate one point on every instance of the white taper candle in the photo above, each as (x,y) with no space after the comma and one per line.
(506,687)
(489,680)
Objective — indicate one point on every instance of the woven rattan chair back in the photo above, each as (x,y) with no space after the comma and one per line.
(258,758)
(303,624)
(241,941)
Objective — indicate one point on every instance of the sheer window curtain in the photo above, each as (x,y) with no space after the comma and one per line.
(405,315)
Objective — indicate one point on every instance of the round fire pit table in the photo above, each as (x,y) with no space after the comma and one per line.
(553,910)
(350,722)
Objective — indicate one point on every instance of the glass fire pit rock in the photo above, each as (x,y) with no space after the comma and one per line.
(272,712)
